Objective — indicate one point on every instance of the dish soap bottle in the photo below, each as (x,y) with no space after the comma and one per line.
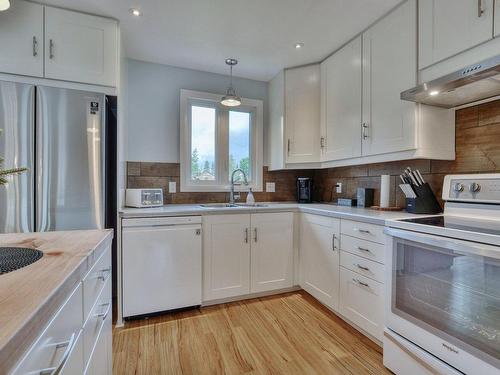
(250,198)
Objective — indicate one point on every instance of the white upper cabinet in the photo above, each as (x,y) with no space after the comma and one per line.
(21,39)
(302,114)
(448,27)
(341,103)
(80,47)
(271,251)
(389,67)
(497,18)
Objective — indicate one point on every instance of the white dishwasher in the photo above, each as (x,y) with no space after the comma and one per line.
(161,264)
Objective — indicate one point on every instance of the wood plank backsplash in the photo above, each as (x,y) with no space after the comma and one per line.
(477,151)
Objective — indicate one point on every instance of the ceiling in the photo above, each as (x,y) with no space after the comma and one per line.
(200,34)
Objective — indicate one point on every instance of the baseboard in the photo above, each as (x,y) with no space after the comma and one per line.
(250,296)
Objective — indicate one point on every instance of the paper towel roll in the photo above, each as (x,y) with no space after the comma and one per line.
(385,190)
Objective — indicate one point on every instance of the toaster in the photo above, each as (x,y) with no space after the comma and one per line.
(143,197)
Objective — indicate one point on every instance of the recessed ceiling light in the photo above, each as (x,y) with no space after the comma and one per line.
(135,12)
(433,93)
(4,5)
(299,45)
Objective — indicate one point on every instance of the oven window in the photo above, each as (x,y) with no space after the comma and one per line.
(455,296)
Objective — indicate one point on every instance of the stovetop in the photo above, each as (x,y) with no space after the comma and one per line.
(491,227)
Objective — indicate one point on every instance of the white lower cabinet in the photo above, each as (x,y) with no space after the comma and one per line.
(361,301)
(271,262)
(246,253)
(319,258)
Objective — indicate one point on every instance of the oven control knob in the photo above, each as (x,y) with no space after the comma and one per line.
(458,187)
(474,187)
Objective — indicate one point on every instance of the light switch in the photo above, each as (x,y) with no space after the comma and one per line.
(270,187)
(172,187)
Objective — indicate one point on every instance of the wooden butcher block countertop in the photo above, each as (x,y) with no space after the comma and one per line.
(30,296)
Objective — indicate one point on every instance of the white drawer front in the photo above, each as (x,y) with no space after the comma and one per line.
(93,325)
(366,249)
(94,281)
(363,266)
(364,231)
(54,348)
(362,302)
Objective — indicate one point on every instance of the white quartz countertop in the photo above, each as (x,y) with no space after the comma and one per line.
(367,215)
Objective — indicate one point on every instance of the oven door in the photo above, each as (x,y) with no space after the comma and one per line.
(444,296)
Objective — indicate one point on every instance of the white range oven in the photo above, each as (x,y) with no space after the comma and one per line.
(443,284)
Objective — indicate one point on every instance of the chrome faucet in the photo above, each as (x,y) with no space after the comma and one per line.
(232,195)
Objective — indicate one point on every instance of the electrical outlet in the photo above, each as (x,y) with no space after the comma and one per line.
(338,187)
(172,187)
(270,187)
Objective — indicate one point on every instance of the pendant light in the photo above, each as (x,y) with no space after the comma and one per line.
(4,5)
(231,99)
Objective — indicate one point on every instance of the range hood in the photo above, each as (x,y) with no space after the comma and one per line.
(470,84)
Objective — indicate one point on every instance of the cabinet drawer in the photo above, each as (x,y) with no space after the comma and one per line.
(362,302)
(366,249)
(99,313)
(363,266)
(364,231)
(94,281)
(55,347)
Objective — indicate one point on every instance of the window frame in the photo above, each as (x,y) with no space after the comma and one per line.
(255,107)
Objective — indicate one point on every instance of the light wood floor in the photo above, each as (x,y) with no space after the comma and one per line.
(285,334)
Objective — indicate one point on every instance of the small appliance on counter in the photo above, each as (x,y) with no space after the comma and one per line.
(304,190)
(365,197)
(141,198)
(349,202)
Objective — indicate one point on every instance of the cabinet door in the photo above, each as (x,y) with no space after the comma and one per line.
(362,302)
(272,251)
(80,47)
(497,18)
(341,128)
(21,38)
(389,67)
(319,258)
(448,27)
(226,256)
(302,114)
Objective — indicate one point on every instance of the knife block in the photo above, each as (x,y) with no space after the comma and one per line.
(425,202)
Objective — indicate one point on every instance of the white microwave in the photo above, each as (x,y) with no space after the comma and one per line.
(141,198)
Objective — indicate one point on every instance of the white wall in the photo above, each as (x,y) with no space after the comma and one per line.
(153,106)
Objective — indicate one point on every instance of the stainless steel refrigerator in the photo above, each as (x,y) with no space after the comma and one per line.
(59,135)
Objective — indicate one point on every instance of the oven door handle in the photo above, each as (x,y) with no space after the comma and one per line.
(457,246)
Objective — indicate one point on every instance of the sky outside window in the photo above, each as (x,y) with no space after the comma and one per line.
(203,123)
(239,142)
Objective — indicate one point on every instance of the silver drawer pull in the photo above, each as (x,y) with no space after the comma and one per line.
(104,274)
(365,231)
(58,345)
(360,283)
(364,249)
(362,267)
(104,314)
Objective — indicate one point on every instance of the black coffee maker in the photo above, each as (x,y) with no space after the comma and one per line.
(304,190)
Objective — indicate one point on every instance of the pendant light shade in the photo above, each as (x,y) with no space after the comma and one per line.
(4,5)
(230,99)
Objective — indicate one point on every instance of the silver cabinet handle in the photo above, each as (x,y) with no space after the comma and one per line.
(322,142)
(364,249)
(57,369)
(104,314)
(362,267)
(364,126)
(104,274)
(288,146)
(360,283)
(254,234)
(246,235)
(333,242)
(365,231)
(35,46)
(480,9)
(51,49)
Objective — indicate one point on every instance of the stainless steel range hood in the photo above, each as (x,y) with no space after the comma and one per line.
(470,84)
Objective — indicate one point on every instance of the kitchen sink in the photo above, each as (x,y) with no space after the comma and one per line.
(252,205)
(231,205)
(13,258)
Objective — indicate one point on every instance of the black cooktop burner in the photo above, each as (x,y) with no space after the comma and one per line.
(13,258)
(459,223)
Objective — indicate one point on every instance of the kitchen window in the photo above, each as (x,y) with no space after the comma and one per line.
(216,140)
